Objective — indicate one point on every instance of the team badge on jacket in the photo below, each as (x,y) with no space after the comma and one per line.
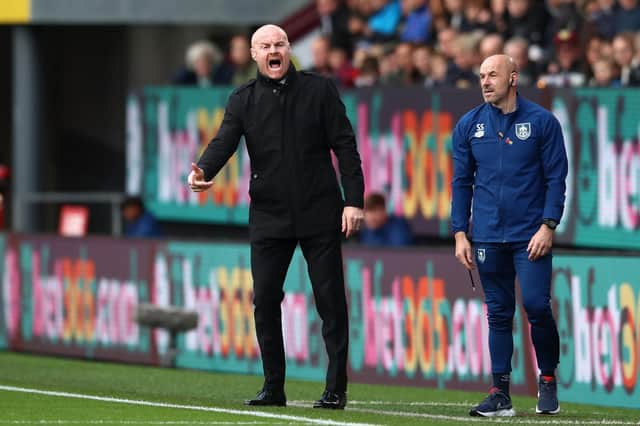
(480,255)
(479,130)
(523,131)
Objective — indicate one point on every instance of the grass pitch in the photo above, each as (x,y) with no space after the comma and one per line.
(45,390)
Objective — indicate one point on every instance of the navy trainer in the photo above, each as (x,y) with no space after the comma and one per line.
(547,397)
(496,404)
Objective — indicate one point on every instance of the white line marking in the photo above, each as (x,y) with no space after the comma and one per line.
(184,407)
(557,420)
(124,422)
(408,403)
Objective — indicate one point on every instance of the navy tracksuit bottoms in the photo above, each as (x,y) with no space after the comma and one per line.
(498,264)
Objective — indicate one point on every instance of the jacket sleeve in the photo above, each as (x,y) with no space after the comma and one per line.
(342,142)
(225,143)
(464,168)
(555,168)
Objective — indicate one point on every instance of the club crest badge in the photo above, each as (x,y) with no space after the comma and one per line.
(523,131)
(479,130)
(480,254)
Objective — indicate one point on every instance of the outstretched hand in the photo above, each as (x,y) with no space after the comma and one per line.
(196,180)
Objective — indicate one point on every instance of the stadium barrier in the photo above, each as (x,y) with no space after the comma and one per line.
(414,318)
(404,135)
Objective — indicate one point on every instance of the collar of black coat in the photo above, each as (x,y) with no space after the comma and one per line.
(289,78)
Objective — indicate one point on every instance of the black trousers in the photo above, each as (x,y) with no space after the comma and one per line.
(270,259)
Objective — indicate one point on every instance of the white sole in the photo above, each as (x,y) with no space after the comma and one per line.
(539,411)
(500,413)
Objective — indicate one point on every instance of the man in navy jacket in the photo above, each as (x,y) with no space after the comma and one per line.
(510,165)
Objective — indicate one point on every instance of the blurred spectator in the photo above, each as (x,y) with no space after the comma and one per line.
(404,59)
(341,67)
(334,23)
(604,74)
(369,72)
(138,221)
(446,42)
(478,16)
(455,16)
(204,67)
(564,16)
(491,44)
(439,66)
(527,19)
(623,54)
(567,69)
(380,228)
(461,72)
(384,21)
(603,18)
(320,48)
(244,68)
(389,72)
(518,49)
(628,16)
(417,21)
(422,64)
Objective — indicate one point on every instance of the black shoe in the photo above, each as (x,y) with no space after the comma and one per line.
(335,400)
(268,397)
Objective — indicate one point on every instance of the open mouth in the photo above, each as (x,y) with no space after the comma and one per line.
(275,63)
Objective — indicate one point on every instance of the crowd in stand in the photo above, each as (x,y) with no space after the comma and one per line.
(442,42)
(561,43)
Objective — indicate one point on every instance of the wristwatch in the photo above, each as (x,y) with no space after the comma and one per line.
(551,224)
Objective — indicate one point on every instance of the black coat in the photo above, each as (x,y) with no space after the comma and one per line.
(290,130)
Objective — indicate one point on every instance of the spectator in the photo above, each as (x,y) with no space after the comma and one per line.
(623,53)
(604,74)
(320,56)
(369,72)
(603,18)
(138,221)
(564,15)
(334,23)
(527,19)
(628,16)
(244,68)
(491,44)
(341,68)
(439,66)
(461,73)
(204,67)
(417,21)
(383,24)
(455,16)
(518,49)
(404,59)
(422,64)
(446,42)
(478,17)
(380,228)
(566,70)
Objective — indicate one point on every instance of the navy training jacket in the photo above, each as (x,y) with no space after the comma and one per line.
(513,166)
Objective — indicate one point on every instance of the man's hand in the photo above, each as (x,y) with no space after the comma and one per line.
(351,220)
(196,179)
(463,250)
(540,243)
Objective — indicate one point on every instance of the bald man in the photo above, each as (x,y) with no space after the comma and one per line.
(510,164)
(291,122)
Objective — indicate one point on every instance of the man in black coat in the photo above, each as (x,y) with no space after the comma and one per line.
(291,122)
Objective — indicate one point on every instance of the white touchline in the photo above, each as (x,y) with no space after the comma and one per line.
(510,420)
(184,407)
